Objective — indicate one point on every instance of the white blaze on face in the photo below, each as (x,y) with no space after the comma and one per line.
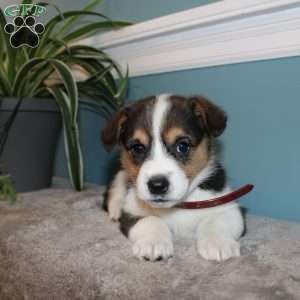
(161,163)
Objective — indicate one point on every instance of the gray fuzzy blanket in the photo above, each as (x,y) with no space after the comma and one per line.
(57,244)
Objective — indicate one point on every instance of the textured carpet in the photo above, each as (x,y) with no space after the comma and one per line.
(57,244)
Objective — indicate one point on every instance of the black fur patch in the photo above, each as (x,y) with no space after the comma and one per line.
(139,115)
(215,181)
(127,221)
(181,115)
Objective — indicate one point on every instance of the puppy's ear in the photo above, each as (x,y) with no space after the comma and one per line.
(214,117)
(112,131)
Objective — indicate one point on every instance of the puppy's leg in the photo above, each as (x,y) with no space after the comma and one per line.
(152,239)
(115,195)
(217,237)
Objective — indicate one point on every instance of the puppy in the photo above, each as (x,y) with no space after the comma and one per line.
(167,157)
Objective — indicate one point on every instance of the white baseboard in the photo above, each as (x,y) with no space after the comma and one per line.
(229,31)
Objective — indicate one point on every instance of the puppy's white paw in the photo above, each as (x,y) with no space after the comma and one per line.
(114,212)
(153,249)
(219,249)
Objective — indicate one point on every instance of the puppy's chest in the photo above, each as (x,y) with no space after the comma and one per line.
(182,222)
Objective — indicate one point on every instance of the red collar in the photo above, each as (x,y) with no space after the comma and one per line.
(217,201)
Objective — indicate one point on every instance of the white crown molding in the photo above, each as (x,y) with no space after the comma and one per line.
(226,32)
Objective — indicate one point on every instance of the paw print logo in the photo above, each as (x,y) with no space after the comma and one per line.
(24,31)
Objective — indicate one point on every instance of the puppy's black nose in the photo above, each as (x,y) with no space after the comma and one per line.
(158,185)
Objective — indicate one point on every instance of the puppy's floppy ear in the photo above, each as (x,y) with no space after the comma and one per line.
(214,117)
(112,131)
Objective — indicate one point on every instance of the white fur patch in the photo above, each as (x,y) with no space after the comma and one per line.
(217,235)
(151,239)
(160,163)
(161,108)
(117,195)
(218,248)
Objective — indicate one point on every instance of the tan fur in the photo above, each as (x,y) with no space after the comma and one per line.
(131,168)
(141,135)
(171,135)
(198,159)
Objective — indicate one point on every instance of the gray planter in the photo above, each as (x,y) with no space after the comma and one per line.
(30,148)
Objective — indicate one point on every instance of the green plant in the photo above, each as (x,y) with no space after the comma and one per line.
(48,70)
(7,190)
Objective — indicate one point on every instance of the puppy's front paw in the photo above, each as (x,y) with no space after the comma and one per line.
(114,212)
(218,249)
(153,249)
(115,209)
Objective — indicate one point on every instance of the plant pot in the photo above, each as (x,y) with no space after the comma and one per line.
(29,151)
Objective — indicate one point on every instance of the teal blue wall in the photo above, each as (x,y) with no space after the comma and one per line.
(262,142)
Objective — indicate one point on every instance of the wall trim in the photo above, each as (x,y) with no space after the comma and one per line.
(222,33)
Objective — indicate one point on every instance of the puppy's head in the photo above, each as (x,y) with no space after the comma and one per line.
(166,143)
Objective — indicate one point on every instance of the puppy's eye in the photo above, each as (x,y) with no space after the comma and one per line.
(183,147)
(137,148)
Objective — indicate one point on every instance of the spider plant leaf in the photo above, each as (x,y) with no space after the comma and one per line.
(58,46)
(102,110)
(100,74)
(53,23)
(106,80)
(89,29)
(85,52)
(2,39)
(92,67)
(7,189)
(69,82)
(22,77)
(9,51)
(99,96)
(85,49)
(71,138)
(100,88)
(24,55)
(100,57)
(63,17)
(4,83)
(74,19)
(33,51)
(27,2)
(68,103)
(122,88)
(99,65)
(37,79)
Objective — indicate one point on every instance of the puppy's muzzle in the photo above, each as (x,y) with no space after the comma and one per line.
(158,185)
